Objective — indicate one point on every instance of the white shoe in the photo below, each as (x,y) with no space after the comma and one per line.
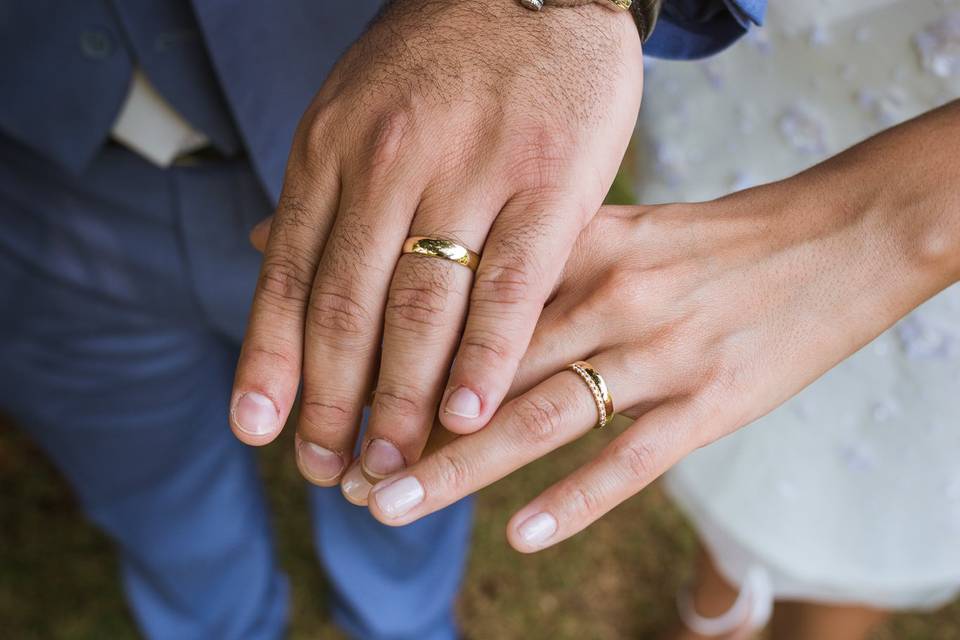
(748,615)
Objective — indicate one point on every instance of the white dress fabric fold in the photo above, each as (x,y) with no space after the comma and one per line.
(850,492)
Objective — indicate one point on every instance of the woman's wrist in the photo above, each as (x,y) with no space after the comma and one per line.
(922,233)
(913,172)
(916,223)
(895,199)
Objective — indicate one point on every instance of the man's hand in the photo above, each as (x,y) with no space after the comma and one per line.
(703,317)
(474,121)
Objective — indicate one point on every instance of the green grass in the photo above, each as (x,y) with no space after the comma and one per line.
(615,581)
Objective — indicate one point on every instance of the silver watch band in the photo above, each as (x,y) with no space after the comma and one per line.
(644,12)
(536,5)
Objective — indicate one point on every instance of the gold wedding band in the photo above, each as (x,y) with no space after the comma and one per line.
(598,389)
(441,248)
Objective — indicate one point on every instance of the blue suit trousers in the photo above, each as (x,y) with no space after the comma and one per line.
(124,295)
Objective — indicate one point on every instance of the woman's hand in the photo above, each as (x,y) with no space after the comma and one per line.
(701,318)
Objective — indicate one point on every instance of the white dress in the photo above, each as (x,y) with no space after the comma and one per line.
(850,492)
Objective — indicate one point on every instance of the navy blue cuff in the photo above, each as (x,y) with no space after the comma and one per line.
(689,29)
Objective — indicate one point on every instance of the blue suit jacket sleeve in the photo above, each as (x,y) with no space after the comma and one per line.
(698,28)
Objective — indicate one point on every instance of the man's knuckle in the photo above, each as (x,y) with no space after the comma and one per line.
(338,311)
(399,400)
(284,280)
(486,349)
(539,177)
(541,143)
(336,303)
(418,297)
(293,214)
(346,253)
(272,358)
(414,309)
(316,124)
(388,139)
(315,144)
(538,421)
(540,157)
(319,412)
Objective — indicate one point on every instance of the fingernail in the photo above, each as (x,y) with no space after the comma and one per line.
(397,498)
(255,414)
(463,403)
(321,465)
(537,529)
(382,458)
(263,224)
(355,486)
